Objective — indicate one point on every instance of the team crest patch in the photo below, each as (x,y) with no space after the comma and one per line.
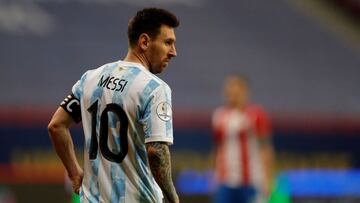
(164,111)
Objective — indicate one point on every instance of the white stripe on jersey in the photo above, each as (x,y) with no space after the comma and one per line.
(146,100)
(231,123)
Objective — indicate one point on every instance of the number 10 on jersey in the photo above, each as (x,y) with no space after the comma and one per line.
(104,132)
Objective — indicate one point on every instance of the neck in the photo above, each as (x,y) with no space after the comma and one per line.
(237,106)
(136,57)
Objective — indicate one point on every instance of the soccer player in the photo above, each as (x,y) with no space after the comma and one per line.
(126,115)
(243,150)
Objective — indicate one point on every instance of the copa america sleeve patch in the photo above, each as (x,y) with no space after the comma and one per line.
(72,106)
(163,111)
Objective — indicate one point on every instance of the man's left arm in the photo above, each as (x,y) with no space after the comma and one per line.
(267,157)
(263,128)
(160,165)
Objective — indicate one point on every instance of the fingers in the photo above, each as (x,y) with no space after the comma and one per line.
(77,190)
(76,183)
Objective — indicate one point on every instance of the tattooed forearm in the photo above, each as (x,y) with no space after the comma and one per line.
(160,164)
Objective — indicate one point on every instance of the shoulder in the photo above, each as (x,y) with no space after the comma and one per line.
(161,83)
(98,70)
(219,113)
(255,109)
(104,68)
(220,110)
(153,83)
(257,113)
(261,120)
(144,77)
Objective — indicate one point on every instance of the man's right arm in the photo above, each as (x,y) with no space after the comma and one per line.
(160,165)
(59,132)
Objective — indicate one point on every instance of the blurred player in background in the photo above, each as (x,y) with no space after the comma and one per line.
(243,151)
(127,119)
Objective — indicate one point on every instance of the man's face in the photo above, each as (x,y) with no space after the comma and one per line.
(161,49)
(236,92)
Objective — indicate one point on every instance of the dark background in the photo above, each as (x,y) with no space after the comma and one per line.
(302,59)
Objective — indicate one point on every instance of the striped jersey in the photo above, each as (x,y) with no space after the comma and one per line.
(123,106)
(238,160)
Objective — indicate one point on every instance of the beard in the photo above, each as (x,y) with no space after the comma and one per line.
(157,68)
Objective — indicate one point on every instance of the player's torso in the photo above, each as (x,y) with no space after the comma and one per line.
(238,158)
(233,123)
(116,168)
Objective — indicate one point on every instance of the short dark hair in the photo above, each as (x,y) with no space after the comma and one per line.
(149,21)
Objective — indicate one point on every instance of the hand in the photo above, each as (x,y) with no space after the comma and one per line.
(76,182)
(176,200)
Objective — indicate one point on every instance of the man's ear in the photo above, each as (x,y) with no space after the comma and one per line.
(144,41)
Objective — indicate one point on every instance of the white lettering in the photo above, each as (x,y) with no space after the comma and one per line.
(70,103)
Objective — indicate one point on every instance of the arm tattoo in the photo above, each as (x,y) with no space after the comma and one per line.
(160,165)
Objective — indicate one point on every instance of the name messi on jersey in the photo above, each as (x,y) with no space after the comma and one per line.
(112,83)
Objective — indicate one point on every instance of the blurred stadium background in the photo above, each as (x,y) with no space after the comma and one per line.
(302,57)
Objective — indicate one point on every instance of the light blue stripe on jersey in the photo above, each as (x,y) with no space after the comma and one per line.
(79,89)
(117,183)
(145,192)
(146,187)
(130,76)
(169,126)
(145,101)
(118,96)
(94,184)
(117,175)
(118,99)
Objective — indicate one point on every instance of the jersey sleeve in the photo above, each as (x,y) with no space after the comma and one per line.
(72,106)
(262,122)
(157,119)
(77,89)
(71,103)
(217,125)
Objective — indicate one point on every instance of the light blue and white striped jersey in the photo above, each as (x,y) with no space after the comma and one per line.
(123,106)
